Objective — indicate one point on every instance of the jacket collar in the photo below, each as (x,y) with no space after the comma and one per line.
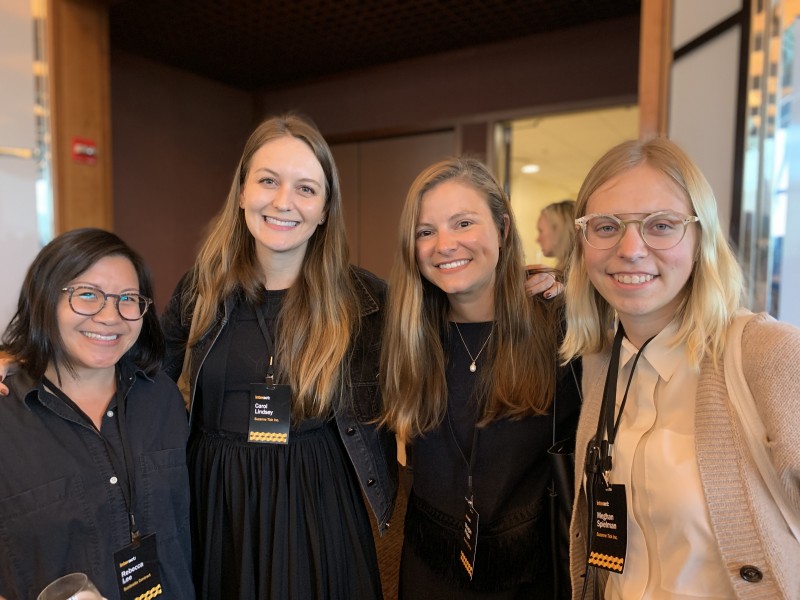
(369,305)
(127,372)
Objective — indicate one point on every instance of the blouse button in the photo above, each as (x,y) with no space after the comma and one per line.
(110,413)
(351,431)
(370,482)
(751,574)
(113,480)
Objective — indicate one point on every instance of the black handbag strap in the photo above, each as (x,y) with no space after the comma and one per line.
(555,398)
(559,486)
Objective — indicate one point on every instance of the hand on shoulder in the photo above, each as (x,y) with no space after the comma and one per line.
(541,279)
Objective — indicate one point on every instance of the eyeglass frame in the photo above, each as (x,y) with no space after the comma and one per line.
(117,297)
(686,220)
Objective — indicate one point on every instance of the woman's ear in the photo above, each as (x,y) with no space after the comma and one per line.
(506,226)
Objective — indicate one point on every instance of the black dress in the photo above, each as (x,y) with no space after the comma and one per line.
(510,478)
(271,521)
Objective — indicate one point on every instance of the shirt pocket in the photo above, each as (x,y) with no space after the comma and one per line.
(47,531)
(165,492)
(364,373)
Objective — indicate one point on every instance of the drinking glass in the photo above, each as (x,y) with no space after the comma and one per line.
(75,586)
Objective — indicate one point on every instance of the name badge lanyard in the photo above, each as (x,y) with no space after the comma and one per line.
(468,546)
(262,325)
(598,456)
(471,462)
(599,452)
(128,486)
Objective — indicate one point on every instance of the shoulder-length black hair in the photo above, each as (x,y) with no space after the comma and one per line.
(33,336)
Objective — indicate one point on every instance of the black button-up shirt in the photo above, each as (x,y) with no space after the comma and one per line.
(62,504)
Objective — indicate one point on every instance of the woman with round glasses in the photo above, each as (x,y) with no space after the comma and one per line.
(93,445)
(671,503)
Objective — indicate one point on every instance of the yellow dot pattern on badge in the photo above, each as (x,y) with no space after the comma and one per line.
(272,438)
(151,593)
(465,562)
(606,562)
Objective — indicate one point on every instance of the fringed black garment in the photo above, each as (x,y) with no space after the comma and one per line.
(511,475)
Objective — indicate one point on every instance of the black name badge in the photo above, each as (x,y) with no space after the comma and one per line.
(608,539)
(270,413)
(138,574)
(469,542)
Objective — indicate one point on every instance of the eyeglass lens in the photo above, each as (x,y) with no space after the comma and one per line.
(89,301)
(660,231)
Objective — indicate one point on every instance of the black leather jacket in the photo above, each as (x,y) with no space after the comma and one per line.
(372,450)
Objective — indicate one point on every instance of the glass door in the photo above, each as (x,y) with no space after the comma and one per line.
(768,242)
(544,159)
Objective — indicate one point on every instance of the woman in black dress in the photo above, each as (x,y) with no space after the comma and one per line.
(469,371)
(283,337)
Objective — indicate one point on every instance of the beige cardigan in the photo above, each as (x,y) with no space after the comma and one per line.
(748,527)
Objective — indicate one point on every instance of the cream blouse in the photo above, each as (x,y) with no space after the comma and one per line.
(671,550)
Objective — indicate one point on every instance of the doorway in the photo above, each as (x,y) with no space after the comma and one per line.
(549,157)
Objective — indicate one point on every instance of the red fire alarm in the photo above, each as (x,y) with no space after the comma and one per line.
(84,151)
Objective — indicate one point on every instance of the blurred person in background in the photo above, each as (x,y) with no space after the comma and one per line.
(557,232)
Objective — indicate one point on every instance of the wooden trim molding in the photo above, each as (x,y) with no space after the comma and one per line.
(80,105)
(655,61)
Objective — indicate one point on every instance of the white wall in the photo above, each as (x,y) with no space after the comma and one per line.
(18,233)
(703,94)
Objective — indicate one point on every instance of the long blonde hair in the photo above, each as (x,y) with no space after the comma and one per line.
(561,217)
(521,369)
(320,312)
(715,287)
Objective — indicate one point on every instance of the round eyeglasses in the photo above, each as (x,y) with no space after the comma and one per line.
(659,230)
(88,301)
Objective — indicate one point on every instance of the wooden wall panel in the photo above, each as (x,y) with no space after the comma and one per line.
(587,66)
(78,51)
(177,140)
(655,61)
(375,180)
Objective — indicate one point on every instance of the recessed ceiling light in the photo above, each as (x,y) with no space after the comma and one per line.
(531,168)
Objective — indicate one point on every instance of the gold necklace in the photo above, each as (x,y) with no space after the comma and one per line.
(472,366)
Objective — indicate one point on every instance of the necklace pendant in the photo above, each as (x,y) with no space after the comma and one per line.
(472,367)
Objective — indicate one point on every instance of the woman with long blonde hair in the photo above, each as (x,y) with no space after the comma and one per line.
(281,335)
(469,373)
(653,296)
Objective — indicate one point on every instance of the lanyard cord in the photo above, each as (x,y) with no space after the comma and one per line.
(612,390)
(129,487)
(262,325)
(471,462)
(598,454)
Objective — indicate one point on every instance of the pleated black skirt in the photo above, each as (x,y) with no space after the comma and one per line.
(280,521)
